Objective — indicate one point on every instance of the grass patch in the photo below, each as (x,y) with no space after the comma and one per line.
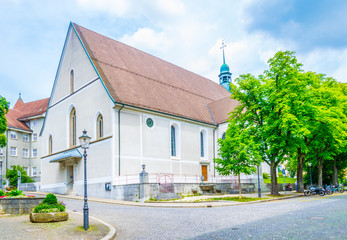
(91,228)
(280,180)
(237,199)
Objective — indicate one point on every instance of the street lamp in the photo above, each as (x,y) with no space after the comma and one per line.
(1,160)
(310,164)
(84,140)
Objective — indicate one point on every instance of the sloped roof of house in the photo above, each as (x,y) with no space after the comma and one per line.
(139,79)
(23,110)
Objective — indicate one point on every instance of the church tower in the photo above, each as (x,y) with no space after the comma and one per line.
(225,74)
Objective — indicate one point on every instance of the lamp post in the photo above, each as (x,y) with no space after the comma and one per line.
(84,140)
(310,164)
(259,190)
(1,160)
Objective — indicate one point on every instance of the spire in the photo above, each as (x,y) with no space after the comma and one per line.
(225,75)
(20,95)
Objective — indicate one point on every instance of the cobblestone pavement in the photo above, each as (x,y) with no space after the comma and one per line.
(299,218)
(19,227)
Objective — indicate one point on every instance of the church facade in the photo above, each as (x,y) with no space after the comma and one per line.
(138,110)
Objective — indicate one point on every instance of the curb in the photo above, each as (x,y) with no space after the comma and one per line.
(173,204)
(112,233)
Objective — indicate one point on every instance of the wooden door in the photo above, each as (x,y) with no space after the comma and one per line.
(204,172)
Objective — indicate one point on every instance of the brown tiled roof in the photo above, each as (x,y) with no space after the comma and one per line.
(220,109)
(23,110)
(136,78)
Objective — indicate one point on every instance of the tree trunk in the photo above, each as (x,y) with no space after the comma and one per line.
(335,173)
(239,186)
(299,178)
(274,187)
(320,171)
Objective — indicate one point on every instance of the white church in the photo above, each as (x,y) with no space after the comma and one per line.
(138,110)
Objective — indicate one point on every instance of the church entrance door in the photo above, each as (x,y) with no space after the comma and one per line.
(204,172)
(70,176)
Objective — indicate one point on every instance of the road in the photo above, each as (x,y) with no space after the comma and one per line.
(299,218)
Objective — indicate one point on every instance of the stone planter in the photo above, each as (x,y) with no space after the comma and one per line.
(206,187)
(48,217)
(17,206)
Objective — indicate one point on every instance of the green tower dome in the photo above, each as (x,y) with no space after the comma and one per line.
(224,68)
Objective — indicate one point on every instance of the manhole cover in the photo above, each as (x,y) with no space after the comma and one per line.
(33,229)
(317,218)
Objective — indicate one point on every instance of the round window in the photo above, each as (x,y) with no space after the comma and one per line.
(149,122)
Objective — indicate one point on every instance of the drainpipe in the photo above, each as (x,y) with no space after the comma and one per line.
(214,150)
(119,139)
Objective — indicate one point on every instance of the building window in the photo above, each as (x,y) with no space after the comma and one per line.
(50,145)
(34,153)
(13,151)
(34,137)
(202,152)
(13,135)
(35,122)
(149,122)
(173,141)
(34,171)
(73,128)
(25,137)
(99,127)
(26,169)
(223,136)
(72,79)
(25,153)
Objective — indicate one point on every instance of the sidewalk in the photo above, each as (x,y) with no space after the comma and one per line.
(187,202)
(20,227)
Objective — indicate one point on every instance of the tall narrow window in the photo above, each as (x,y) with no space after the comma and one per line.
(100,127)
(50,145)
(173,141)
(223,136)
(73,128)
(202,153)
(72,79)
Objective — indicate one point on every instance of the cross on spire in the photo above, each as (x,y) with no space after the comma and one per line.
(222,47)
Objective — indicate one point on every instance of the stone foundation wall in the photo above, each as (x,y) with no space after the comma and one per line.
(16,206)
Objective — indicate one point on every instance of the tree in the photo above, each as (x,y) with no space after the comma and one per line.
(4,105)
(12,174)
(238,152)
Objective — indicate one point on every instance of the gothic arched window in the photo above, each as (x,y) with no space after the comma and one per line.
(73,127)
(99,127)
(50,145)
(173,141)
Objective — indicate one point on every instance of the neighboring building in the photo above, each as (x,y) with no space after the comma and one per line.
(137,109)
(24,123)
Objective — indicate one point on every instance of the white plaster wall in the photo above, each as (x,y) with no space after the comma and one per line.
(74,57)
(89,99)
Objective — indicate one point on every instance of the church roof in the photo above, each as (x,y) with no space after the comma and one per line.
(23,110)
(220,109)
(139,79)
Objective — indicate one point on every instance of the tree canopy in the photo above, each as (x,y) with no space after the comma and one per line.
(4,105)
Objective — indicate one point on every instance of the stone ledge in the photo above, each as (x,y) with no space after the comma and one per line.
(48,217)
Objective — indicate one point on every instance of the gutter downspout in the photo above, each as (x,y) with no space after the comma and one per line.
(214,150)
(119,139)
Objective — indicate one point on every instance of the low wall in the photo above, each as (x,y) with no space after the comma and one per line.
(33,187)
(16,206)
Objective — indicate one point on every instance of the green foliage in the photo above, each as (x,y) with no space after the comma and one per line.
(12,174)
(4,106)
(265,175)
(2,193)
(50,199)
(15,193)
(45,208)
(280,174)
(280,180)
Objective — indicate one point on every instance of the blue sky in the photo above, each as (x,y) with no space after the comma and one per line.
(187,33)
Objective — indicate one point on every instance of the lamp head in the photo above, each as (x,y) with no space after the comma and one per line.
(309,164)
(84,140)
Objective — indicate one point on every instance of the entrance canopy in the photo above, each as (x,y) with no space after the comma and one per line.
(67,157)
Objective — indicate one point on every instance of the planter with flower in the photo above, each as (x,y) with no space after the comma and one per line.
(49,210)
(15,202)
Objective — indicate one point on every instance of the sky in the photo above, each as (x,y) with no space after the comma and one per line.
(187,33)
